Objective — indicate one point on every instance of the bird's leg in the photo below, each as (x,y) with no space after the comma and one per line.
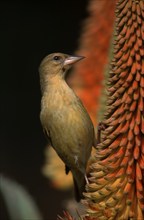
(101,127)
(86,179)
(76,162)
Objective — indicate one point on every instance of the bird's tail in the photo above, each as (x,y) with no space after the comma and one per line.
(79,185)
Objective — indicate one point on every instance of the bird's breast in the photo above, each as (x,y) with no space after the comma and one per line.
(62,110)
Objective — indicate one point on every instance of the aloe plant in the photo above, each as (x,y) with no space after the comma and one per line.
(116,188)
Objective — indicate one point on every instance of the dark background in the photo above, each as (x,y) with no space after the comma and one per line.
(28,32)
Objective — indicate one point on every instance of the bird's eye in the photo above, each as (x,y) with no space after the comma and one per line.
(56,58)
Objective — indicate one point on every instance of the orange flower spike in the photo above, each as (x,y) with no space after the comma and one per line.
(94,45)
(125,120)
(116,188)
(141,162)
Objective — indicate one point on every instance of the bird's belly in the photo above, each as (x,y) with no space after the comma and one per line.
(70,137)
(70,130)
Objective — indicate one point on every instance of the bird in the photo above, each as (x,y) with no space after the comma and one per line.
(64,119)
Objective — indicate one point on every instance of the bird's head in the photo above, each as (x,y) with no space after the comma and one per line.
(57,64)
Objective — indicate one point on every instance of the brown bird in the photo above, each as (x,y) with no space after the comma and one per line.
(64,119)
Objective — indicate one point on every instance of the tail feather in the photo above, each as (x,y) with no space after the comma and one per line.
(79,186)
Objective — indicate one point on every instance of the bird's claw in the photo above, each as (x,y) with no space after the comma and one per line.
(101,127)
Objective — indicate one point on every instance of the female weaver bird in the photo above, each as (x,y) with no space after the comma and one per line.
(64,119)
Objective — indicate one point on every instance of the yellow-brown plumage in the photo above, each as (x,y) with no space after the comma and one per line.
(64,118)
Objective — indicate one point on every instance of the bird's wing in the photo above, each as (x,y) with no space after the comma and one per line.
(47,135)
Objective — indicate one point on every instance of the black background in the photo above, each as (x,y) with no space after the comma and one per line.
(28,32)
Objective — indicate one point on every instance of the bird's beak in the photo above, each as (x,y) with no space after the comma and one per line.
(72,59)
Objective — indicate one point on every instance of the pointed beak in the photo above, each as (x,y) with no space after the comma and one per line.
(72,59)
